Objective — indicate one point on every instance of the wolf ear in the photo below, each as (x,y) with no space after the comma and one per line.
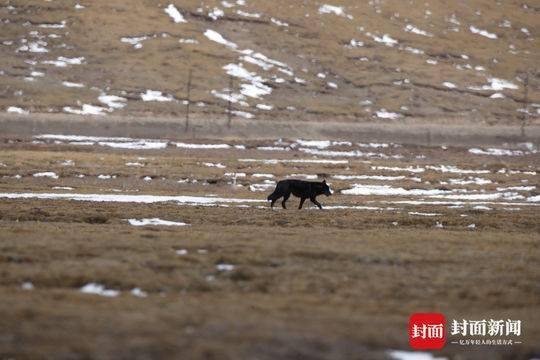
(324,181)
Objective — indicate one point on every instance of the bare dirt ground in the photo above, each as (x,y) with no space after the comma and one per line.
(334,284)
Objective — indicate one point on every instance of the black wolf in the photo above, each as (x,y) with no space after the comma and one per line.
(302,189)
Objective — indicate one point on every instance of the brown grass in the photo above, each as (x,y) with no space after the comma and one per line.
(336,284)
(315,43)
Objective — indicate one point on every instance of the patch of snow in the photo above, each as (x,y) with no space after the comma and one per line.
(386,190)
(278,22)
(407,169)
(188,41)
(246,14)
(484,33)
(383,114)
(217,165)
(243,114)
(154,95)
(72,84)
(449,85)
(60,25)
(112,101)
(98,289)
(27,285)
(138,293)
(455,170)
(331,9)
(225,267)
(417,31)
(48,174)
(216,13)
(385,39)
(173,12)
(470,180)
(201,146)
(35,47)
(332,85)
(496,152)
(63,61)
(140,199)
(305,161)
(423,214)
(369,177)
(17,110)
(86,109)
(264,107)
(155,222)
(217,37)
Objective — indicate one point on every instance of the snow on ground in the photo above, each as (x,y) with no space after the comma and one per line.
(98,289)
(155,221)
(496,84)
(423,214)
(143,199)
(249,15)
(321,144)
(47,174)
(136,41)
(279,22)
(413,29)
(86,109)
(154,95)
(112,101)
(468,181)
(285,161)
(216,165)
(173,12)
(385,39)
(216,13)
(225,267)
(244,114)
(484,33)
(383,114)
(496,152)
(395,168)
(72,84)
(201,146)
(332,9)
(64,61)
(352,153)
(217,37)
(17,110)
(449,85)
(375,177)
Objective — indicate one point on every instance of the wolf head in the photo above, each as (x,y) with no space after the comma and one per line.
(326,188)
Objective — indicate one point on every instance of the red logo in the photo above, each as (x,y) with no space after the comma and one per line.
(427,331)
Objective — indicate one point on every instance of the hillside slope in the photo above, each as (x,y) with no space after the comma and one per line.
(423,61)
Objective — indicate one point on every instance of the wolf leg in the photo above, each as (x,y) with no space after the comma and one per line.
(285,198)
(301,203)
(313,200)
